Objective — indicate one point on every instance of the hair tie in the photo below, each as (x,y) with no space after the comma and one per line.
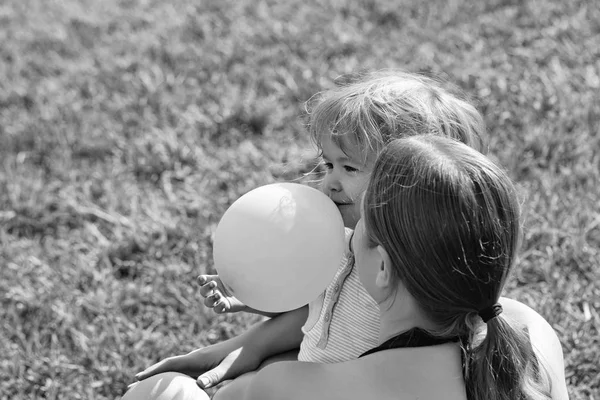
(490,312)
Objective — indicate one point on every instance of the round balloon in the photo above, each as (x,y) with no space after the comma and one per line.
(278,246)
(166,386)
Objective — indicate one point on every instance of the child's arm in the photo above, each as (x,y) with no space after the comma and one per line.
(218,297)
(244,353)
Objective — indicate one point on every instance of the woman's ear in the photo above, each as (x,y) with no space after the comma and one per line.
(384,275)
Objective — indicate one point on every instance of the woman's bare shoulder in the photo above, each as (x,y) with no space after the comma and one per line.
(540,331)
(384,375)
(286,380)
(544,340)
(301,381)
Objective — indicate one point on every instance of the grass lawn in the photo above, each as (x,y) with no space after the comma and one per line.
(127,127)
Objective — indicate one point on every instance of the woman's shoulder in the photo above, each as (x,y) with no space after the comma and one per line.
(541,333)
(524,313)
(302,380)
(383,375)
(544,341)
(294,380)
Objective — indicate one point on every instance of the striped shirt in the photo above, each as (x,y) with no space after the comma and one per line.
(343,322)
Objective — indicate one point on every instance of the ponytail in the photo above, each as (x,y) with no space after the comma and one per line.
(504,366)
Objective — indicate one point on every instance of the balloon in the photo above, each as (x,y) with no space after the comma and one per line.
(166,386)
(278,246)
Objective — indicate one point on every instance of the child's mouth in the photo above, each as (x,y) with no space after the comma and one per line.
(339,205)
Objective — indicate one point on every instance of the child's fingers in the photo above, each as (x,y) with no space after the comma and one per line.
(211,300)
(161,366)
(209,303)
(204,279)
(221,306)
(207,289)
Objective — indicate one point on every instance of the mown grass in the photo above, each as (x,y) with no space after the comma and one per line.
(127,127)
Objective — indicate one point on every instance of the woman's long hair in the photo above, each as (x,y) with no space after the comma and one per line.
(450,220)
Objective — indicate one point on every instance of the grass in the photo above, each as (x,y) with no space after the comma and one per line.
(127,127)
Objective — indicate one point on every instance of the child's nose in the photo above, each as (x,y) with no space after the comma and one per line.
(331,183)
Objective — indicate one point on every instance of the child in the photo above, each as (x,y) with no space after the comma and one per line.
(349,124)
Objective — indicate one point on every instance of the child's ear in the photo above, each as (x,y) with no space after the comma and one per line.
(384,275)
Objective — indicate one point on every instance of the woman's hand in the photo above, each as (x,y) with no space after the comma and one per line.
(217,296)
(209,365)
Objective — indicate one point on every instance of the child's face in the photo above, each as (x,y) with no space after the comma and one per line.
(345,180)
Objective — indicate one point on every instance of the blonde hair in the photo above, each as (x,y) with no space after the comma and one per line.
(450,220)
(368,110)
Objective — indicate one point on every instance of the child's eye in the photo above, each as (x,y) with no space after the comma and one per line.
(350,169)
(327,165)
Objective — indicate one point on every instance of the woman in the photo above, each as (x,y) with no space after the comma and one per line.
(437,240)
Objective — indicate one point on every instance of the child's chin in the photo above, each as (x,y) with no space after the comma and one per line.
(349,217)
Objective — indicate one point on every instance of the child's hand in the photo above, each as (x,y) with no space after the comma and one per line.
(209,365)
(217,296)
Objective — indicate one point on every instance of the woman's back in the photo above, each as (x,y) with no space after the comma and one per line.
(407,373)
(431,372)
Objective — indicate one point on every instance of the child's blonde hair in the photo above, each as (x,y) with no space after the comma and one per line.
(368,110)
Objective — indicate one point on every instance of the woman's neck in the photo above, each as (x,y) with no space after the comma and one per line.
(398,315)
